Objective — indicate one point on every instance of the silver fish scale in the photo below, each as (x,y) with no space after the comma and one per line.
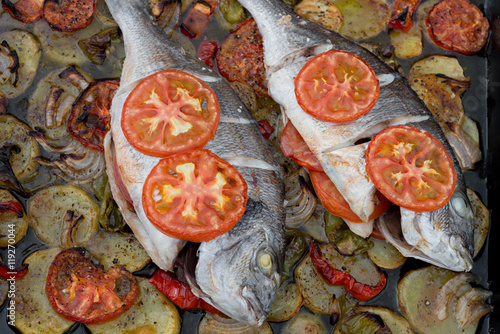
(238,140)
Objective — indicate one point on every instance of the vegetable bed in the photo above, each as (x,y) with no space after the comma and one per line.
(64,63)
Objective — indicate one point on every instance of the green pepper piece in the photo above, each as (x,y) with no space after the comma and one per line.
(232,11)
(296,246)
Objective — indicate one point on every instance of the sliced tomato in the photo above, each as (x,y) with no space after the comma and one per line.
(336,86)
(293,146)
(69,15)
(265,128)
(402,14)
(10,272)
(26,11)
(241,57)
(81,291)
(335,203)
(179,293)
(198,17)
(194,196)
(411,168)
(206,52)
(170,112)
(333,276)
(13,207)
(89,120)
(458,25)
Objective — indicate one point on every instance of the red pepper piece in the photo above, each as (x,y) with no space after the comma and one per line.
(360,291)
(198,17)
(12,207)
(6,272)
(26,11)
(266,128)
(402,14)
(179,293)
(206,52)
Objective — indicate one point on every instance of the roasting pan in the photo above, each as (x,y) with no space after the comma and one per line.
(482,104)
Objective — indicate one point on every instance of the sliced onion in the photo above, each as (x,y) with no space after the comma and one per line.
(472,306)
(448,291)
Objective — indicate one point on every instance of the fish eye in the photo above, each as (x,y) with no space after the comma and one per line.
(460,206)
(265,262)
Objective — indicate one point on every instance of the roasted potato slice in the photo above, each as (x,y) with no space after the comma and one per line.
(363,319)
(481,221)
(304,322)
(7,218)
(437,64)
(322,12)
(287,303)
(407,44)
(385,255)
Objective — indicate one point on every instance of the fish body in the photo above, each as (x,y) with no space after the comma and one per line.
(289,42)
(242,289)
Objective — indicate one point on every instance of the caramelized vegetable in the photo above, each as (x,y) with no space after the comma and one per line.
(13,220)
(26,11)
(69,15)
(402,14)
(198,17)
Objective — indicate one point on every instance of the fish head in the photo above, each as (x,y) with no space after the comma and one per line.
(239,272)
(444,236)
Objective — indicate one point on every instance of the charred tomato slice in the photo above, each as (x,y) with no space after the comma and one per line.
(411,168)
(458,25)
(336,86)
(170,112)
(26,11)
(335,203)
(293,146)
(82,291)
(69,15)
(402,14)
(194,195)
(89,120)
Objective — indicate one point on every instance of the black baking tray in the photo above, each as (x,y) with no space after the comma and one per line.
(482,104)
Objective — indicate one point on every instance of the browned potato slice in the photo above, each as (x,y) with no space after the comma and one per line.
(363,19)
(437,64)
(322,12)
(34,314)
(481,221)
(304,322)
(287,303)
(152,313)
(8,218)
(407,44)
(385,255)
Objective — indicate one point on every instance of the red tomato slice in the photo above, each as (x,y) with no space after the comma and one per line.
(336,86)
(194,196)
(26,11)
(69,15)
(81,291)
(458,25)
(335,203)
(206,52)
(293,146)
(411,168)
(170,112)
(89,119)
(402,14)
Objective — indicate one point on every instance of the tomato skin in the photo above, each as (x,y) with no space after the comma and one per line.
(360,291)
(169,112)
(12,207)
(411,168)
(266,128)
(194,196)
(26,11)
(69,15)
(206,52)
(89,121)
(402,14)
(81,291)
(335,203)
(336,86)
(294,147)
(179,293)
(6,272)
(458,25)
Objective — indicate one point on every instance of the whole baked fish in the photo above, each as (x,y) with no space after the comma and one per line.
(237,272)
(443,237)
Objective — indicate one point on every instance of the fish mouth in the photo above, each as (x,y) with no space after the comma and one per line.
(254,306)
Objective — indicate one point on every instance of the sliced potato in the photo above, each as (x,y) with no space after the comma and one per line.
(322,12)
(117,248)
(34,314)
(481,220)
(428,305)
(442,96)
(363,19)
(303,323)
(50,104)
(286,304)
(407,44)
(421,13)
(360,321)
(8,218)
(470,128)
(28,52)
(13,131)
(152,313)
(385,255)
(319,296)
(437,64)
(47,211)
